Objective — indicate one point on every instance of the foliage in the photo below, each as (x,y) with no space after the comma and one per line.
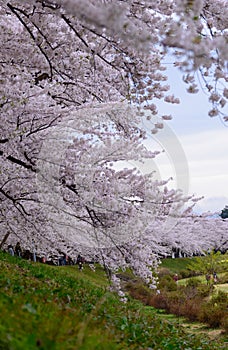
(210,263)
(45,307)
(193,282)
(167,283)
(224,213)
(190,302)
(191,297)
(214,312)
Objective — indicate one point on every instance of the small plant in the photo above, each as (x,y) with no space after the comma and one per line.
(167,283)
(163,271)
(139,291)
(192,309)
(159,301)
(212,315)
(203,290)
(186,273)
(193,282)
(214,312)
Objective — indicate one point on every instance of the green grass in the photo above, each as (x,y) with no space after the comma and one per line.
(176,265)
(202,279)
(60,308)
(222,287)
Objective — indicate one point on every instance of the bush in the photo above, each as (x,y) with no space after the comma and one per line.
(191,309)
(203,290)
(163,271)
(189,301)
(139,291)
(175,301)
(214,312)
(186,273)
(159,301)
(193,282)
(212,315)
(167,283)
(221,298)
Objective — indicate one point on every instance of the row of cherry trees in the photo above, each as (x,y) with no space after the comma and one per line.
(77,76)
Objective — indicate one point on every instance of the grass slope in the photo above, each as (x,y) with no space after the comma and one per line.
(59,308)
(176,265)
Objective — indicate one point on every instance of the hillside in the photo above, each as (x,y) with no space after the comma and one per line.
(60,308)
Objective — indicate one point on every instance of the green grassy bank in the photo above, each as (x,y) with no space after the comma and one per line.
(60,308)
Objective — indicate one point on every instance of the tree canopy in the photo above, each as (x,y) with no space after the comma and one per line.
(224,213)
(77,76)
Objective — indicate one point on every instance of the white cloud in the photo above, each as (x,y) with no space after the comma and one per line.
(207,160)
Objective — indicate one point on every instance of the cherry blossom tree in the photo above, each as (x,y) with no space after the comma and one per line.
(195,234)
(62,63)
